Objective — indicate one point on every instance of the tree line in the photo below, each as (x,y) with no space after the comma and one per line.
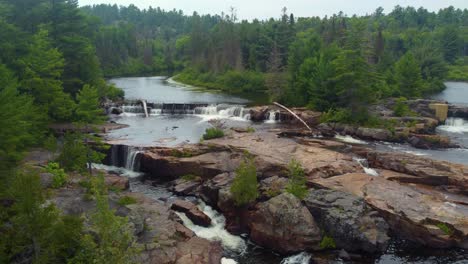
(336,62)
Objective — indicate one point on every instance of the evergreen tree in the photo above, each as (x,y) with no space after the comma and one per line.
(21,122)
(89,114)
(244,188)
(408,76)
(41,72)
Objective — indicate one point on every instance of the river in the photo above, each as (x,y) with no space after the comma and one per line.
(169,130)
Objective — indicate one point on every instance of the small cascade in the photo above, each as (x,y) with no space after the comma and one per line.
(123,156)
(365,166)
(302,258)
(133,161)
(272,117)
(145,108)
(217,230)
(455,125)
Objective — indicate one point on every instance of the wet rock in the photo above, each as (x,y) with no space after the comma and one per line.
(116,111)
(347,218)
(116,181)
(283,224)
(430,141)
(184,187)
(192,212)
(209,191)
(258,114)
(458,111)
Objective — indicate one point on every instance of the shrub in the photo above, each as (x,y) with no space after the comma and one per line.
(189,177)
(211,133)
(126,200)
(327,243)
(401,108)
(59,178)
(250,130)
(297,181)
(244,188)
(445,228)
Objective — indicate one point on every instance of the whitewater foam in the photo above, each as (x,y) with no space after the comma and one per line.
(351,140)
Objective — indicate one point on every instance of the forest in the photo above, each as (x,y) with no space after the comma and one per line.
(336,62)
(55,56)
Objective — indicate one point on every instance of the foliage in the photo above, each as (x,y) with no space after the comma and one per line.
(115,243)
(401,108)
(75,154)
(244,188)
(189,177)
(21,121)
(327,243)
(126,200)
(445,228)
(297,180)
(59,178)
(36,228)
(212,133)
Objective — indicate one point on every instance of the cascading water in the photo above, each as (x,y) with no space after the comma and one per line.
(272,117)
(455,125)
(217,230)
(302,258)
(365,166)
(145,108)
(132,161)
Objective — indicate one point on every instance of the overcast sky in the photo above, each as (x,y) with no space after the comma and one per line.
(248,9)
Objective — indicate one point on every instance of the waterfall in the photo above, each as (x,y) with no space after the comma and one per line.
(302,258)
(132,161)
(272,117)
(217,230)
(124,157)
(365,166)
(145,108)
(455,125)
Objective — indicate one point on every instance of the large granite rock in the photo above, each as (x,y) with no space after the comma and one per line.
(428,216)
(430,172)
(192,212)
(349,220)
(283,224)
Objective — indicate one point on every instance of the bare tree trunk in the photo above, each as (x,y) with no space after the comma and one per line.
(294,114)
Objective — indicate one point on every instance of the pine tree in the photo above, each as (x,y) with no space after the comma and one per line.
(408,76)
(89,114)
(41,72)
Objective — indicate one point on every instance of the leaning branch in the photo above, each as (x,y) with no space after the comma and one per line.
(294,114)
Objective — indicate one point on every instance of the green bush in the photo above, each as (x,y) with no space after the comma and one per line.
(189,177)
(126,200)
(445,228)
(244,188)
(297,180)
(59,178)
(327,243)
(211,133)
(401,108)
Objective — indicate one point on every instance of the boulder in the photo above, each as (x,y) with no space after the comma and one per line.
(116,111)
(258,114)
(116,181)
(184,187)
(283,224)
(427,216)
(428,170)
(349,220)
(458,111)
(430,141)
(199,251)
(192,212)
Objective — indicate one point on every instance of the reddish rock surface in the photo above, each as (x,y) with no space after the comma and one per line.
(192,212)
